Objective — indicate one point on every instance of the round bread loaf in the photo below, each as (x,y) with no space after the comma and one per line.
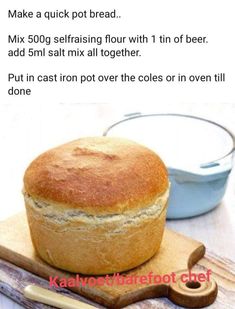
(96,205)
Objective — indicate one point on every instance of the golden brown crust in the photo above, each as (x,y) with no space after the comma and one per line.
(98,175)
(109,247)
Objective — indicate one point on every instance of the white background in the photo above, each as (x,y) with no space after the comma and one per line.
(214,19)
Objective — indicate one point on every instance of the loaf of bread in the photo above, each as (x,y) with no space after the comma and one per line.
(96,205)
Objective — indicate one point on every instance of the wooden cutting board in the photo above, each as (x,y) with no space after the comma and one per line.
(177,253)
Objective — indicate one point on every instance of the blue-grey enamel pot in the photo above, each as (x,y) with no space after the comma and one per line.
(196,190)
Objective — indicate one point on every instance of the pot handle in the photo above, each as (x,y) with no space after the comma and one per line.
(210,173)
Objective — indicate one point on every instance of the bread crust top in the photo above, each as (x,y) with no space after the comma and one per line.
(97,175)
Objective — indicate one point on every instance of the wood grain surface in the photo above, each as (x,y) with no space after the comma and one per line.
(177,253)
(13,279)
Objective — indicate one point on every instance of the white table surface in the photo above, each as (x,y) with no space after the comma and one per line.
(27,130)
